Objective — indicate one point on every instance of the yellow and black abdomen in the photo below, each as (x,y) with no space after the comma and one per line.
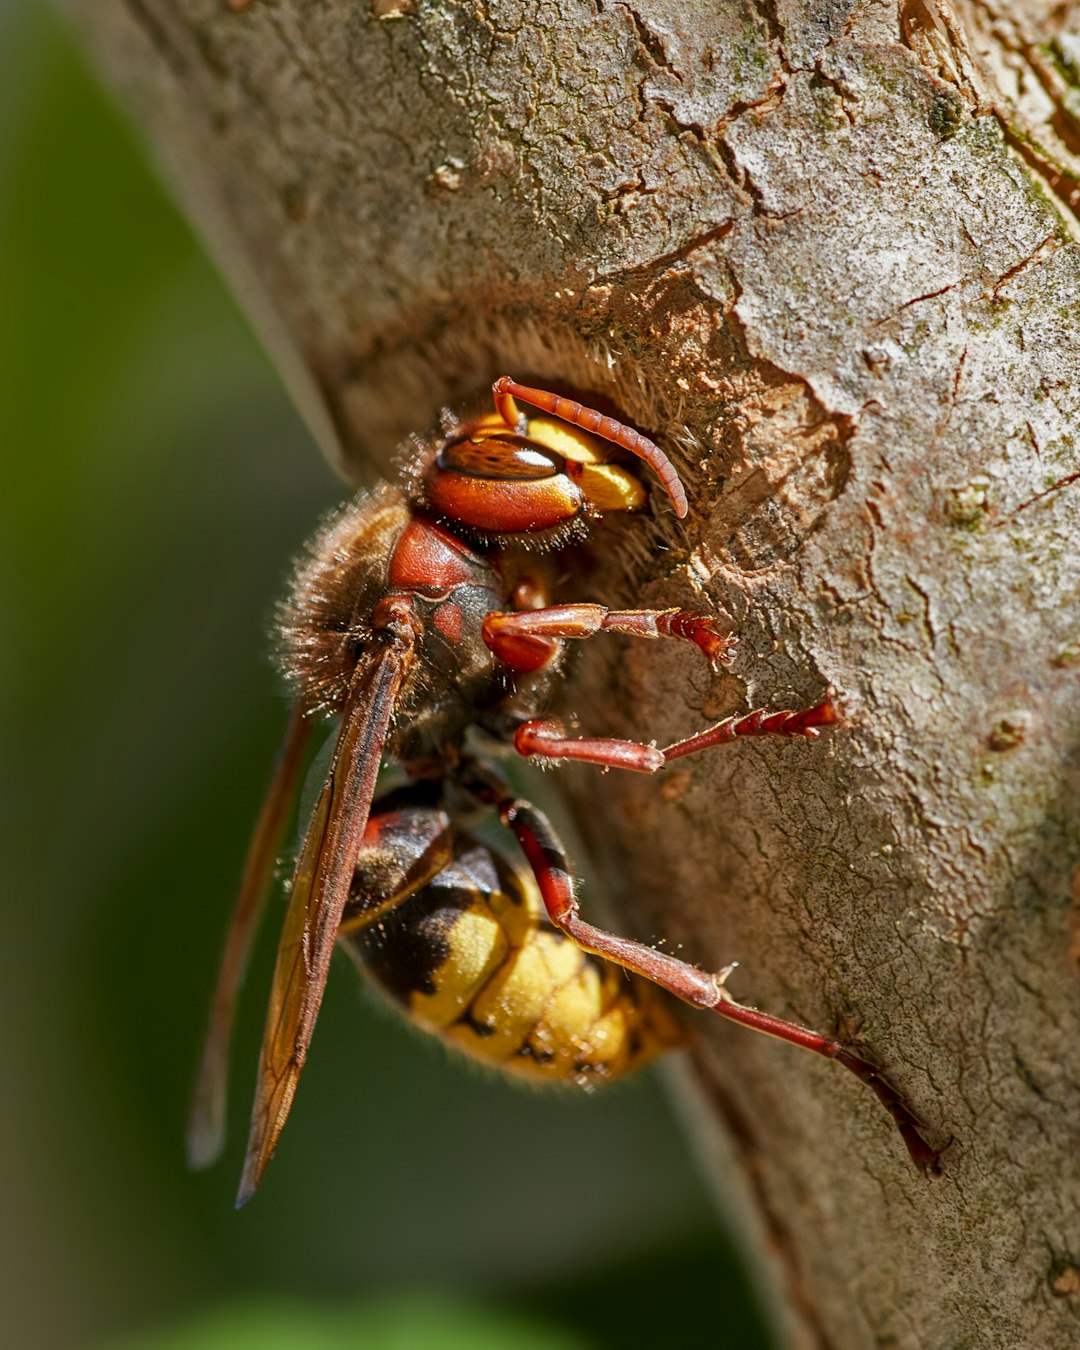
(460,942)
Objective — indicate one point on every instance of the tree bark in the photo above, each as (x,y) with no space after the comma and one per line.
(823,250)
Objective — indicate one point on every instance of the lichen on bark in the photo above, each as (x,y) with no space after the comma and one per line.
(825,253)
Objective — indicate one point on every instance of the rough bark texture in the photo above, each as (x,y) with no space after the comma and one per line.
(824,250)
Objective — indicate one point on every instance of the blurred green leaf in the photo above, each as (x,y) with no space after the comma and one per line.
(403,1322)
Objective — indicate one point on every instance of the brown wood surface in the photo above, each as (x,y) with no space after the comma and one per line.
(825,253)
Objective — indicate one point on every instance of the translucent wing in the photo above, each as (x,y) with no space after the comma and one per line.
(320,890)
(206,1129)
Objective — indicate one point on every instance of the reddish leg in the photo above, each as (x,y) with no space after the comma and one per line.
(545,740)
(549,865)
(502,631)
(797,722)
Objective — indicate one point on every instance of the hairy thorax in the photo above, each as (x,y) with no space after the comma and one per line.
(367,550)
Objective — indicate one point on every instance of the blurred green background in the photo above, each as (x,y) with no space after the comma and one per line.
(155,485)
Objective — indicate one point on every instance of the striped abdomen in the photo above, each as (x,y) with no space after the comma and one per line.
(459,940)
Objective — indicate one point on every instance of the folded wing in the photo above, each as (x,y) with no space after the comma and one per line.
(320,891)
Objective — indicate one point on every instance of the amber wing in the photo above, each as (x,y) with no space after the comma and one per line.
(320,890)
(206,1131)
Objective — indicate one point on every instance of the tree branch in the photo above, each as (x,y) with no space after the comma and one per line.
(824,253)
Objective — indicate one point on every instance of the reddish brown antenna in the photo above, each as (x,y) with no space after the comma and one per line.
(507,390)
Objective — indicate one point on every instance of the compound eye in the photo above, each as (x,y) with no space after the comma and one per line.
(502,485)
(504,457)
